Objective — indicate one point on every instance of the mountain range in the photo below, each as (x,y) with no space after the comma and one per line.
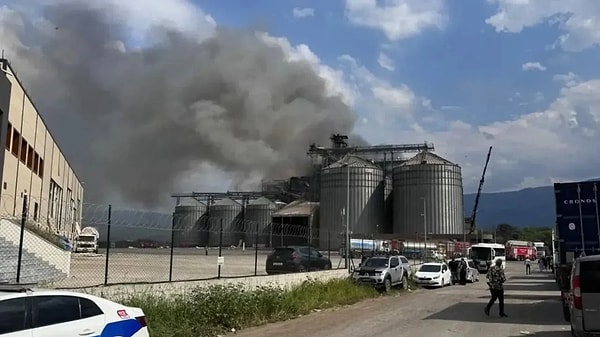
(530,207)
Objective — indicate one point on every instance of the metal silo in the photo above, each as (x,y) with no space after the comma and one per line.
(388,196)
(187,233)
(428,181)
(258,218)
(233,225)
(362,181)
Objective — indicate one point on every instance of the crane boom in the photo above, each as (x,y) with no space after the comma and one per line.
(474,214)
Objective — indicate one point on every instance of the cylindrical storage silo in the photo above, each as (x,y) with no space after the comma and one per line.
(230,212)
(431,183)
(187,233)
(361,181)
(388,196)
(258,221)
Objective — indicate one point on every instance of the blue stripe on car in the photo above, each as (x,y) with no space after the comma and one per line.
(125,328)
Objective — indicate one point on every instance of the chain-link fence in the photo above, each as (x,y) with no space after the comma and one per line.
(109,245)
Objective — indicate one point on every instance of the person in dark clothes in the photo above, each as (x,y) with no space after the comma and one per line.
(453,265)
(463,271)
(496,279)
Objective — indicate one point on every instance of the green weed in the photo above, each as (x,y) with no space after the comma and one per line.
(213,310)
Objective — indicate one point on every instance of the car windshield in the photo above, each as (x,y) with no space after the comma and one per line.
(430,268)
(481,253)
(86,238)
(377,263)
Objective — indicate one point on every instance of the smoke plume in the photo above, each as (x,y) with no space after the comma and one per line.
(136,122)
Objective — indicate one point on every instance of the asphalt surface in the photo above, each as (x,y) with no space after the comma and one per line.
(532,304)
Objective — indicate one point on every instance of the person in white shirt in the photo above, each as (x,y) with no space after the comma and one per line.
(527,266)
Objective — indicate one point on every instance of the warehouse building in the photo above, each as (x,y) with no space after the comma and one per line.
(33,163)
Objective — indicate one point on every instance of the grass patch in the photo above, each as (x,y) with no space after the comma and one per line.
(213,310)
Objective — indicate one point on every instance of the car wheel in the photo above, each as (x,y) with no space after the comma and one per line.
(387,284)
(301,269)
(443,283)
(327,266)
(404,282)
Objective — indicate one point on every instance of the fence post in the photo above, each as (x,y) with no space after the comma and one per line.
(107,244)
(220,245)
(256,250)
(172,243)
(329,245)
(23,220)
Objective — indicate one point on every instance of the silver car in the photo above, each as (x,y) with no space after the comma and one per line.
(584,296)
(383,272)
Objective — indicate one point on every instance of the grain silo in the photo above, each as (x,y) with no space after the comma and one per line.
(230,212)
(357,183)
(258,218)
(431,183)
(187,232)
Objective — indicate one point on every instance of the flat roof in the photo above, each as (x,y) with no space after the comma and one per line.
(298,208)
(14,74)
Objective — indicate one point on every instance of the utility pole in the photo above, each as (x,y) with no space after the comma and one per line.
(425,225)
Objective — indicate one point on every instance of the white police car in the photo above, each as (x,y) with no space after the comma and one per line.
(27,312)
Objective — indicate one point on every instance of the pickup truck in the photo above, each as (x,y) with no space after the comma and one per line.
(577,230)
(383,272)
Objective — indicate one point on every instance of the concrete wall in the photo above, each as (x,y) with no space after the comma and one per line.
(42,249)
(284,281)
(34,164)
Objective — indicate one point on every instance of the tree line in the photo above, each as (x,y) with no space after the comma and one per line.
(505,232)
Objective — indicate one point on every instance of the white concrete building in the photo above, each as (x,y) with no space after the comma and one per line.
(33,163)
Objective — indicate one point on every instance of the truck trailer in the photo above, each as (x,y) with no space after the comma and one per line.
(577,230)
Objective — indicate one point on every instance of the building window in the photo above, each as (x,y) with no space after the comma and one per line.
(41,168)
(35,211)
(23,150)
(30,158)
(8,136)
(15,142)
(36,163)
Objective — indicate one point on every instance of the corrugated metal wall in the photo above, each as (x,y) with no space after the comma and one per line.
(233,228)
(187,233)
(259,214)
(441,186)
(365,188)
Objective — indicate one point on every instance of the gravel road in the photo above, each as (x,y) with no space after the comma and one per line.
(532,304)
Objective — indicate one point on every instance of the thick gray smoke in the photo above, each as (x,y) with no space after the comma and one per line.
(139,121)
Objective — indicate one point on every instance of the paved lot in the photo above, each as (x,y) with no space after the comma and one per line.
(532,303)
(152,265)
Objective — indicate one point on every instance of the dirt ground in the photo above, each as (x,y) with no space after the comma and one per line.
(532,304)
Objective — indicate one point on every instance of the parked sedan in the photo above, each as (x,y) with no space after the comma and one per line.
(433,274)
(296,259)
(55,313)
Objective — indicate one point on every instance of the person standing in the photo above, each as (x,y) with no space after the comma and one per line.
(463,271)
(527,266)
(496,279)
(541,264)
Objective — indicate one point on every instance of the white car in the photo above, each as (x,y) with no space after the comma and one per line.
(27,312)
(434,274)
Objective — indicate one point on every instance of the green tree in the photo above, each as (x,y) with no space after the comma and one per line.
(505,232)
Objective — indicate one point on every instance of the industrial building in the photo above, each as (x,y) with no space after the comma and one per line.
(33,163)
(369,192)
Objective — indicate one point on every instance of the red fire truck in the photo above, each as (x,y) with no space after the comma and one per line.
(520,250)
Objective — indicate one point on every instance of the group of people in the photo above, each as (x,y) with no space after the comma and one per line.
(544,263)
(459,271)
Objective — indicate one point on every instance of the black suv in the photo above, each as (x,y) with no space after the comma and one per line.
(296,259)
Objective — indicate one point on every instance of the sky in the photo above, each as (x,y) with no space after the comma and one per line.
(518,75)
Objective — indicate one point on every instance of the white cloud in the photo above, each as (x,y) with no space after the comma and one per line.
(397,19)
(556,142)
(386,62)
(533,66)
(578,20)
(570,79)
(303,12)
